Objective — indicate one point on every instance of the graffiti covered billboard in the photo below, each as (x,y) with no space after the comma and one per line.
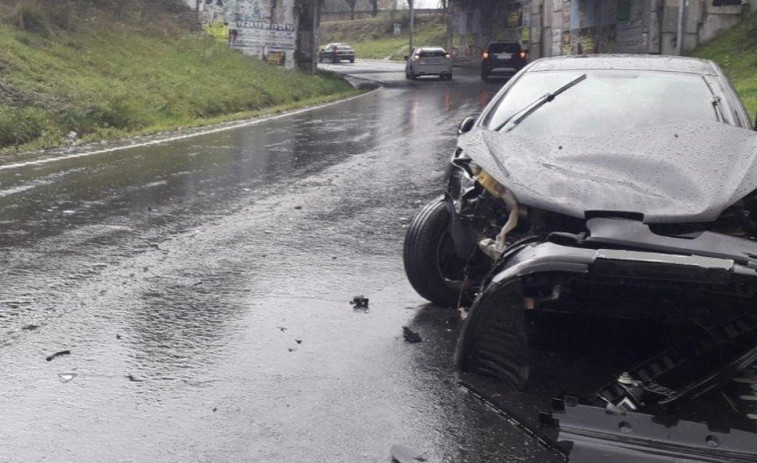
(262,28)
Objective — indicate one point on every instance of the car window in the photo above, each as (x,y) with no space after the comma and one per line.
(504,47)
(605,101)
(344,48)
(432,53)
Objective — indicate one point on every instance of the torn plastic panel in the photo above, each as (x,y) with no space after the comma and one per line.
(592,435)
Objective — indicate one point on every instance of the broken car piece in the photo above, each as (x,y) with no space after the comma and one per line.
(359,302)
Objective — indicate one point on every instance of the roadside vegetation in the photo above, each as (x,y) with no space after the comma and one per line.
(374,38)
(736,52)
(101,69)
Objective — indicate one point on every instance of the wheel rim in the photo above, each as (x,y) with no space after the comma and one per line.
(448,264)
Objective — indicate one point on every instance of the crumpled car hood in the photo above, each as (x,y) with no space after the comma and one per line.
(680,173)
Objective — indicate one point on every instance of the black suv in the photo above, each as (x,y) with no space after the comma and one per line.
(502,59)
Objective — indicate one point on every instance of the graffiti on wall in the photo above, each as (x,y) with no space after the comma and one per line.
(265,29)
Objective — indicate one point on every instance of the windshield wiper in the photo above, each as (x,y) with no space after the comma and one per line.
(521,115)
(717,104)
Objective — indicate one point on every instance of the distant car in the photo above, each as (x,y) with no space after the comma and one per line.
(428,61)
(336,52)
(503,59)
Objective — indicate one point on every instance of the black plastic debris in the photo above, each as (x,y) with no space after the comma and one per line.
(298,341)
(30,327)
(403,454)
(359,302)
(50,358)
(410,335)
(134,379)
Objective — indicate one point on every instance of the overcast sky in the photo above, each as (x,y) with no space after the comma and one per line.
(425,3)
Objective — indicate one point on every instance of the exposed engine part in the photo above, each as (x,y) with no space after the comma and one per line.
(689,369)
(494,248)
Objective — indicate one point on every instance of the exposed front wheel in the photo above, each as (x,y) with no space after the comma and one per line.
(352,61)
(432,266)
(494,341)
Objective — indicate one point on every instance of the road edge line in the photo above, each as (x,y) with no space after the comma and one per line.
(232,126)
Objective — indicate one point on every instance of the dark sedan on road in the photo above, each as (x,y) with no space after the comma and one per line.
(606,189)
(502,59)
(336,52)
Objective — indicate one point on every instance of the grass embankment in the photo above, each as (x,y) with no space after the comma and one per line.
(736,52)
(374,39)
(106,69)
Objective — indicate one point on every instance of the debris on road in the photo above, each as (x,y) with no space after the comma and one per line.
(359,302)
(410,335)
(58,354)
(298,207)
(298,341)
(292,349)
(132,378)
(30,327)
(66,377)
(403,454)
(281,328)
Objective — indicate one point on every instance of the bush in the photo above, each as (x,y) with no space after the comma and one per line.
(29,16)
(19,126)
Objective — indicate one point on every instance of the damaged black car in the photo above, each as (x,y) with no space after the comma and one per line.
(608,186)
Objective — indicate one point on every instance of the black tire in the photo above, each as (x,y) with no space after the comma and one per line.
(494,338)
(352,60)
(431,265)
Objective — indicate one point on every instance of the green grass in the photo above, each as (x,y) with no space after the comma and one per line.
(373,38)
(107,78)
(735,51)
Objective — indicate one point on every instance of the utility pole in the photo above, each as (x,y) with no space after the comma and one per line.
(315,40)
(412,21)
(681,23)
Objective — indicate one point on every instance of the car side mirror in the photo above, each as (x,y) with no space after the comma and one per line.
(405,57)
(466,125)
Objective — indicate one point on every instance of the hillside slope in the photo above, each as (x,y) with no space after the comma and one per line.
(736,52)
(93,69)
(374,38)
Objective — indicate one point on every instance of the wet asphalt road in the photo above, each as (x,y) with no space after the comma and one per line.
(202,287)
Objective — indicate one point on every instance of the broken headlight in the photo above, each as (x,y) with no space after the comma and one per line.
(487,181)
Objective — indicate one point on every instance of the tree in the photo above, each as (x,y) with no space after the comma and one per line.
(351,4)
(374,3)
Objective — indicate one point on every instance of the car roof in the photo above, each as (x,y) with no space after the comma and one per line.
(625,62)
(429,49)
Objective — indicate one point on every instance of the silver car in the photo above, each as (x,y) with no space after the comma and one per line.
(428,61)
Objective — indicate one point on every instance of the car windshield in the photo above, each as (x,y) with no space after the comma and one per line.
(504,48)
(606,101)
(344,48)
